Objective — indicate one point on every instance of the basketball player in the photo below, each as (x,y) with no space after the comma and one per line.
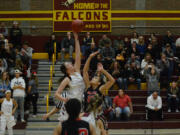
(8,108)
(74,126)
(91,115)
(60,105)
(72,77)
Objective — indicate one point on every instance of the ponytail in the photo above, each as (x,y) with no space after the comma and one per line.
(73,108)
(63,70)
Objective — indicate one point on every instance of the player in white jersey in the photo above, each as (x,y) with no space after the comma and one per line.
(8,108)
(72,78)
(90,115)
(60,106)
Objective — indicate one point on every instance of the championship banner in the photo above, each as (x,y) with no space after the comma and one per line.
(96,15)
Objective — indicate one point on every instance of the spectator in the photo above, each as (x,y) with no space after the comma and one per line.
(163,66)
(27,53)
(133,49)
(103,41)
(4,84)
(18,87)
(33,92)
(157,49)
(121,55)
(67,46)
(107,107)
(168,38)
(133,59)
(173,97)
(152,78)
(11,59)
(135,38)
(154,107)
(2,40)
(170,56)
(150,50)
(118,73)
(86,43)
(152,35)
(133,76)
(122,105)
(146,61)
(108,54)
(127,44)
(3,65)
(117,42)
(90,50)
(3,29)
(141,46)
(49,47)
(16,35)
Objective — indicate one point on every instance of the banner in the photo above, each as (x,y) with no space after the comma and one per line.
(96,15)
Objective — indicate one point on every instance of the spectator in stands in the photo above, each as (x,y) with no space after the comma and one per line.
(16,35)
(170,56)
(141,46)
(150,50)
(3,29)
(11,58)
(26,53)
(151,74)
(152,35)
(49,46)
(173,97)
(117,42)
(118,73)
(90,50)
(18,86)
(146,61)
(163,66)
(135,38)
(2,40)
(154,107)
(107,107)
(87,40)
(157,49)
(133,76)
(103,41)
(33,92)
(127,43)
(133,49)
(168,38)
(108,54)
(67,46)
(122,104)
(4,84)
(133,59)
(3,65)
(121,55)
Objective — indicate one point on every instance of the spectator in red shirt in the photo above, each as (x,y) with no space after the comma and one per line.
(122,105)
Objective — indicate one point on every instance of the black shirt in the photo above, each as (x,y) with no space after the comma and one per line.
(82,126)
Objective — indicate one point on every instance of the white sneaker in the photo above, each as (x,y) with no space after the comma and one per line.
(177,110)
(22,120)
(169,110)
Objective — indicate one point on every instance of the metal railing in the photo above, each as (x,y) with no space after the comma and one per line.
(52,73)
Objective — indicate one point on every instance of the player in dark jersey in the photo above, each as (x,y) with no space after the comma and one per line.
(74,126)
(95,86)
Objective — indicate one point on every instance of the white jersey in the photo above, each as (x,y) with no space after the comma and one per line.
(6,107)
(77,86)
(91,120)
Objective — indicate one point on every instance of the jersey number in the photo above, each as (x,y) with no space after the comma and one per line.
(83,131)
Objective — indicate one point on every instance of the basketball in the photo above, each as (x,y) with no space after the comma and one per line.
(77,25)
